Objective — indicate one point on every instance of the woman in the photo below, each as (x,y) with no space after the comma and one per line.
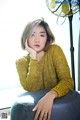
(44,67)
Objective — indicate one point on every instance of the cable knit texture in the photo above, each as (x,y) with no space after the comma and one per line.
(52,71)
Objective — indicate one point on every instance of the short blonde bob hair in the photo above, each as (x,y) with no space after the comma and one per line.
(31,26)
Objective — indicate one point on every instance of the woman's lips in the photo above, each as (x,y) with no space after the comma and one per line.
(37,45)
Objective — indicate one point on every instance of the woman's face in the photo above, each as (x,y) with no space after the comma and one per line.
(38,39)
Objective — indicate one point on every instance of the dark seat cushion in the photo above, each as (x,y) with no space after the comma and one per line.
(64,108)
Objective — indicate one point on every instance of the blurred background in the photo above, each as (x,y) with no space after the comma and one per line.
(14,15)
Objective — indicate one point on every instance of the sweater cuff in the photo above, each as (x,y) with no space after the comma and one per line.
(59,91)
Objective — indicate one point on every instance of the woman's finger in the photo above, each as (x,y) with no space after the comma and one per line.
(49,115)
(45,116)
(37,114)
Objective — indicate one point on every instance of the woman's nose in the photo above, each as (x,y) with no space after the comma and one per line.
(36,39)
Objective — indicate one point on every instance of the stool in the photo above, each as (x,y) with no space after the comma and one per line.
(64,108)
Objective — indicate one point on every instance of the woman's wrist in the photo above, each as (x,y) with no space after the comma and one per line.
(53,94)
(33,56)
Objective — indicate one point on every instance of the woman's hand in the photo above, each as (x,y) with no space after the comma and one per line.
(44,106)
(32,52)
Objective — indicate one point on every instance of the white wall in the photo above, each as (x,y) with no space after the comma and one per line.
(14,15)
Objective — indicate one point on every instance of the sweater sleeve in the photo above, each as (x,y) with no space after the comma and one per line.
(65,82)
(29,74)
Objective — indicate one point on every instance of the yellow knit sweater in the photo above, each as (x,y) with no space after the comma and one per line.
(52,71)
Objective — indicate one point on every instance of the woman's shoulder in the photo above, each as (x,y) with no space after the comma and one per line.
(55,47)
(23,59)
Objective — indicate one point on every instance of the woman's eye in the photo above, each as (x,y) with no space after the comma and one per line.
(42,35)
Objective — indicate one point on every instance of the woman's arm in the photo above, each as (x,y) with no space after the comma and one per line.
(30,73)
(63,72)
